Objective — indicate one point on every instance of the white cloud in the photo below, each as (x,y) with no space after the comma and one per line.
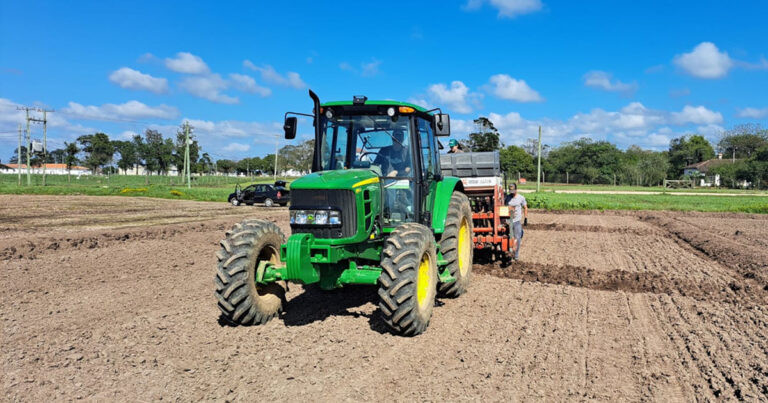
(246,83)
(127,135)
(270,75)
(371,68)
(658,140)
(208,87)
(187,63)
(236,147)
(125,111)
(506,87)
(367,69)
(421,102)
(705,61)
(604,81)
(455,98)
(261,132)
(760,65)
(508,8)
(147,57)
(698,115)
(753,113)
(632,124)
(132,79)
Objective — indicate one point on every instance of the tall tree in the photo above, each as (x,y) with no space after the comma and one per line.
(514,160)
(70,158)
(152,151)
(687,150)
(298,157)
(128,154)
(485,137)
(57,156)
(225,166)
(98,149)
(590,161)
(742,141)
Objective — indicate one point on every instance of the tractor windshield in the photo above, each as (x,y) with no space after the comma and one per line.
(377,142)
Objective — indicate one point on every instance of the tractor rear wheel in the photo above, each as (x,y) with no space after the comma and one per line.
(241,300)
(456,245)
(408,281)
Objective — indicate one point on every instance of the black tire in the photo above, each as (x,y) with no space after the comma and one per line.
(234,201)
(457,249)
(240,299)
(268,202)
(408,281)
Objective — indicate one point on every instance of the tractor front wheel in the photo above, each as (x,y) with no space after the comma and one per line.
(456,245)
(241,300)
(408,281)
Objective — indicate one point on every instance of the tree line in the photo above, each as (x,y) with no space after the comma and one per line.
(159,155)
(588,161)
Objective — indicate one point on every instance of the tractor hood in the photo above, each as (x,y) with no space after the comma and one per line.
(339,179)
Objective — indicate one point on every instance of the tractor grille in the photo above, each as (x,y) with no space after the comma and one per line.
(342,200)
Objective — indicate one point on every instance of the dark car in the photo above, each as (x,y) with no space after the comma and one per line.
(261,193)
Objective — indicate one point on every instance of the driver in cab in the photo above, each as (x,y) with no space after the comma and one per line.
(394,160)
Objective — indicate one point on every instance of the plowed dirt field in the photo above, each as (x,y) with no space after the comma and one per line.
(112,299)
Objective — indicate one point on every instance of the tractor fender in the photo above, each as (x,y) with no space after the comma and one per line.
(443,192)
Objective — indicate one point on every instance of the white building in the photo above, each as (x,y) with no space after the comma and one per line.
(50,169)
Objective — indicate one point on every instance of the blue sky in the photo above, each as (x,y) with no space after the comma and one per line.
(625,71)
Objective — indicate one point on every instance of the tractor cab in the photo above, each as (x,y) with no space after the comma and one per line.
(393,141)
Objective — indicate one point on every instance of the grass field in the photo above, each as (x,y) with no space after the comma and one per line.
(218,188)
(708,203)
(546,187)
(205,188)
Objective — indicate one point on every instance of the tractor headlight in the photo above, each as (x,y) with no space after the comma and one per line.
(315,217)
(321,217)
(334,218)
(299,217)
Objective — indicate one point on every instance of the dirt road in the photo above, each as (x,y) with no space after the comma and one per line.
(112,298)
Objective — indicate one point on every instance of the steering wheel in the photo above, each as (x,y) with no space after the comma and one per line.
(360,158)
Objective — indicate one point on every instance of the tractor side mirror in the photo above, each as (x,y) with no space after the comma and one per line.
(442,125)
(290,127)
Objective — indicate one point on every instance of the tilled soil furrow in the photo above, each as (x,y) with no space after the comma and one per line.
(31,248)
(593,228)
(618,280)
(749,262)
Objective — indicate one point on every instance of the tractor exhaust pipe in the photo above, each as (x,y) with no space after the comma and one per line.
(316,111)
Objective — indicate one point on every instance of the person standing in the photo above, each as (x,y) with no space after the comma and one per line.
(519,215)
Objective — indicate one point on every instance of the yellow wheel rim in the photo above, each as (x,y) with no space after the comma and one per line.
(423,280)
(464,247)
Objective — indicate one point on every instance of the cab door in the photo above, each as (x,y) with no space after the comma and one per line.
(429,168)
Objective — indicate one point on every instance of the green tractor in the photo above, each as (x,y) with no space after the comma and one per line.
(375,210)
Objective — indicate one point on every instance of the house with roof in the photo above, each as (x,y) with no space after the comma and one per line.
(50,169)
(702,171)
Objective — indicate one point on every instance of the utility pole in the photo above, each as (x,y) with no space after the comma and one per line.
(45,142)
(538,175)
(29,143)
(18,156)
(186,154)
(276,144)
(44,121)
